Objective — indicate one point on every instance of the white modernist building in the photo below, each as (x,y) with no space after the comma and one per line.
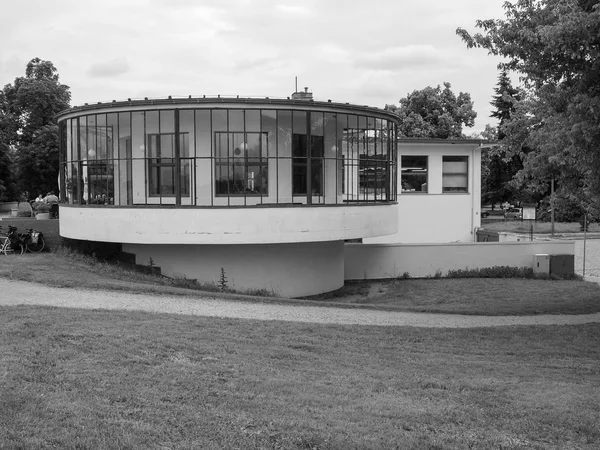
(266,190)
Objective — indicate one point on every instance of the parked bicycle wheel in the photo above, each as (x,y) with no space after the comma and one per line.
(17,249)
(35,245)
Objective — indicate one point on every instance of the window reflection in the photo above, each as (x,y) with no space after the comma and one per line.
(413,177)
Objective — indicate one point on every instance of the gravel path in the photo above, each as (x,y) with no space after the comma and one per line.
(25,293)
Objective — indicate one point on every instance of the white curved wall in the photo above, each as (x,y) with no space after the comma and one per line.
(227,225)
(289,270)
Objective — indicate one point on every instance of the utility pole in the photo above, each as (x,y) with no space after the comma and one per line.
(552,207)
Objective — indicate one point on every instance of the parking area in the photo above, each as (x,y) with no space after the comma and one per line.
(592,257)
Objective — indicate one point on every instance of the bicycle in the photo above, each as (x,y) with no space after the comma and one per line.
(10,243)
(33,240)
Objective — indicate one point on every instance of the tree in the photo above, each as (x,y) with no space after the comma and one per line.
(555,47)
(29,106)
(434,113)
(7,130)
(502,165)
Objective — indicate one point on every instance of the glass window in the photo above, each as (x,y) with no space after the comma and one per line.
(305,156)
(203,141)
(269,125)
(186,125)
(299,154)
(455,174)
(413,175)
(219,120)
(236,120)
(252,120)
(161,164)
(241,166)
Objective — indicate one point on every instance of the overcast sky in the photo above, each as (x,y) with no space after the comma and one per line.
(368,52)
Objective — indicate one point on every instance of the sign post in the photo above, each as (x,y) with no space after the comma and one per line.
(529,215)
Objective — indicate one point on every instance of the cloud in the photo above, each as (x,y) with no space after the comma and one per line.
(402,58)
(116,66)
(293,9)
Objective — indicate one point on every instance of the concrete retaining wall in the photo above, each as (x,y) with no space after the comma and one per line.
(377,261)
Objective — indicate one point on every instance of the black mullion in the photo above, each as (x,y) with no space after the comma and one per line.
(388,164)
(159,160)
(376,135)
(177,173)
(245,143)
(129,157)
(62,158)
(308,160)
(146,193)
(212,158)
(195,190)
(79,163)
(260,162)
(277,156)
(229,167)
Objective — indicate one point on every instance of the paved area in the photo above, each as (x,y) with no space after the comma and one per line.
(592,257)
(25,293)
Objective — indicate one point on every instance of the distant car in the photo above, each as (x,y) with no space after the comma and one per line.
(513,214)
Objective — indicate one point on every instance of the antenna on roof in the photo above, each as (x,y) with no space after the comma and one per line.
(296,90)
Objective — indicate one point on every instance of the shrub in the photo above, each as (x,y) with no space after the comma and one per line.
(493,272)
(43,208)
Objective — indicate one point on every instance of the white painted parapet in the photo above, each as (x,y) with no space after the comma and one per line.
(163,225)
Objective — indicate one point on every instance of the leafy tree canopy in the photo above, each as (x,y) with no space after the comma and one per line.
(27,124)
(555,47)
(434,113)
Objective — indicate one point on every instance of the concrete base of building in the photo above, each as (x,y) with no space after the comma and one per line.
(287,270)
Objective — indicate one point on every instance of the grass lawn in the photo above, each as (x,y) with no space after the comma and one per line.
(481,296)
(484,296)
(74,379)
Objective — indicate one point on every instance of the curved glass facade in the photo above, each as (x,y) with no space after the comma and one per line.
(232,154)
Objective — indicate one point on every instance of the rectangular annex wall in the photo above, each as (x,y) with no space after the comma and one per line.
(380,261)
(430,209)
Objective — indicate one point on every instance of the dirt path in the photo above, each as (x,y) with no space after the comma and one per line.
(25,293)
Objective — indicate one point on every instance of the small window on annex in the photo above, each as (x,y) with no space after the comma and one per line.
(455,174)
(413,176)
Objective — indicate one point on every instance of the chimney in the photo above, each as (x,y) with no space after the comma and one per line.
(306,95)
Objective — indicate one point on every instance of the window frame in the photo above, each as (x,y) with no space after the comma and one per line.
(404,172)
(455,158)
(157,162)
(230,162)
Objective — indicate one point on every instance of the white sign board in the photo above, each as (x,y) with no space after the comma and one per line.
(528,212)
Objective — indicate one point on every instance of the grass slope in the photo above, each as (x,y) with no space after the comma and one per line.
(74,379)
(483,296)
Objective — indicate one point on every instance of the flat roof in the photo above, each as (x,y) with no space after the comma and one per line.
(190,100)
(444,141)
